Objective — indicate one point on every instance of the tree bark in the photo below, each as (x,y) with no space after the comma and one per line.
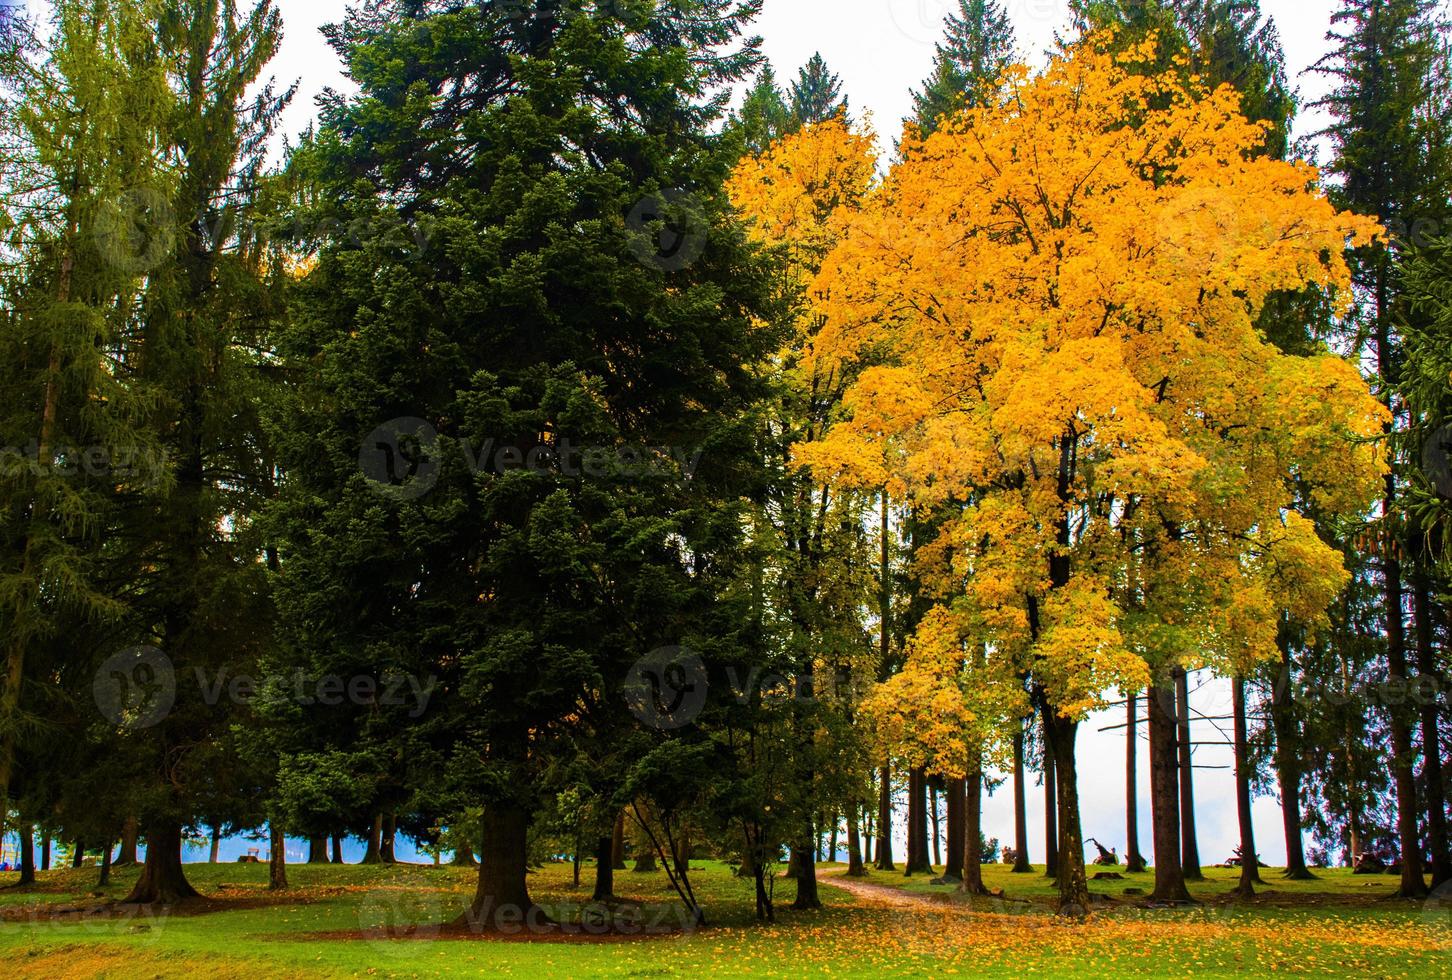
(1189,840)
(1432,773)
(1051,807)
(884,821)
(917,860)
(276,858)
(1165,795)
(373,853)
(337,848)
(855,868)
(318,849)
(935,818)
(387,838)
(1249,862)
(105,879)
(27,854)
(617,843)
(1133,858)
(162,881)
(1288,763)
(1073,876)
(45,852)
(501,899)
(1021,863)
(973,835)
(604,869)
(78,856)
(957,831)
(130,831)
(216,850)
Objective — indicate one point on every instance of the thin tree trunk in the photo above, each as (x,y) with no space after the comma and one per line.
(957,830)
(973,835)
(884,821)
(617,843)
(1073,876)
(832,839)
(45,852)
(1021,863)
(105,878)
(277,858)
(1189,840)
(162,881)
(1165,795)
(1249,862)
(78,856)
(855,868)
(1288,763)
(1051,806)
(1432,774)
(1133,858)
(937,824)
(501,899)
(27,854)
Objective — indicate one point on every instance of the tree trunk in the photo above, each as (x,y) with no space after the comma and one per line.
(105,879)
(1432,774)
(1288,763)
(1021,863)
(1165,795)
(27,854)
(162,881)
(1134,861)
(216,851)
(807,895)
(1073,876)
(957,831)
(973,836)
(617,843)
(1051,807)
(1249,862)
(45,852)
(337,848)
(1189,840)
(884,821)
(373,853)
(918,858)
(78,855)
(604,869)
(318,849)
(386,839)
(130,831)
(276,858)
(501,899)
(855,868)
(832,839)
(936,824)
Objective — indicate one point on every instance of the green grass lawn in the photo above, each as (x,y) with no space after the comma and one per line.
(328,926)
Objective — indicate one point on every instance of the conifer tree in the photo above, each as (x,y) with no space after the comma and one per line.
(816,95)
(979,45)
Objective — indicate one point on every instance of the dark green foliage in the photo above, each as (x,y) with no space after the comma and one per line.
(979,45)
(816,95)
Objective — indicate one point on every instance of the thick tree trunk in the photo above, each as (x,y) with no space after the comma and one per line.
(78,855)
(162,881)
(1051,807)
(884,821)
(105,878)
(373,853)
(1249,862)
(215,853)
(807,894)
(973,836)
(130,831)
(1189,839)
(387,838)
(337,848)
(1021,863)
(27,854)
(501,899)
(45,852)
(1073,876)
(1432,774)
(1134,861)
(604,869)
(1165,795)
(957,831)
(318,849)
(918,861)
(1288,764)
(277,858)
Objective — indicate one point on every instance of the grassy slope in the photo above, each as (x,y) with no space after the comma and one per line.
(1353,930)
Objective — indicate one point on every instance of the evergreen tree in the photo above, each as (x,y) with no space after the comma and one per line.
(764,116)
(816,95)
(980,44)
(1393,158)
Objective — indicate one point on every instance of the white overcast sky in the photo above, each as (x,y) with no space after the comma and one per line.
(882,49)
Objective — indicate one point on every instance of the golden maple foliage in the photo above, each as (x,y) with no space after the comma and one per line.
(1051,306)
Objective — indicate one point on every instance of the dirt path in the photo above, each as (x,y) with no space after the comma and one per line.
(884,896)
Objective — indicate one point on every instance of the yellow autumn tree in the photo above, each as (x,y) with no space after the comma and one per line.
(1058,296)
